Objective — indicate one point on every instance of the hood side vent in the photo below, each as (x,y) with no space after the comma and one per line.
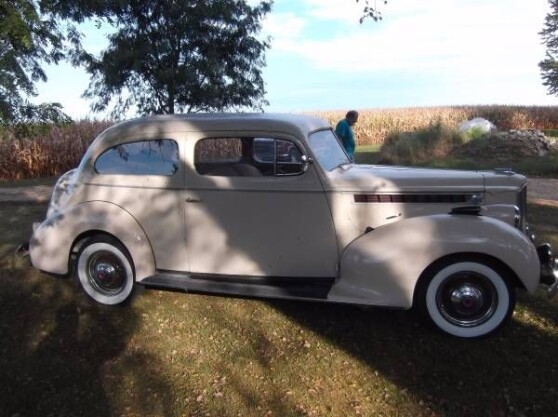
(412,198)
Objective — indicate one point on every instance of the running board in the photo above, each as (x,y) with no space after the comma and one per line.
(291,288)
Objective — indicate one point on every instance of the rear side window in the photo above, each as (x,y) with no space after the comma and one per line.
(219,150)
(148,157)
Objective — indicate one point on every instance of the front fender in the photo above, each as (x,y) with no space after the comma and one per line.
(382,267)
(52,240)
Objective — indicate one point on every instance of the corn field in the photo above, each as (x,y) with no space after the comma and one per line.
(49,153)
(375,125)
(56,149)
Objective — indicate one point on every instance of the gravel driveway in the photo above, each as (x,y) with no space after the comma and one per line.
(541,191)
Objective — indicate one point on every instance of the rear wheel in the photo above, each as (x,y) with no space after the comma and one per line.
(467,298)
(105,271)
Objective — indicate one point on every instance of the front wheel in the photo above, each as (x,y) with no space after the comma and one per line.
(467,299)
(105,272)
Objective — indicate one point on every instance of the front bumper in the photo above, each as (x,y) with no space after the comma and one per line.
(549,268)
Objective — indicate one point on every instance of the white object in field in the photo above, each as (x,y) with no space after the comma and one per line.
(477,123)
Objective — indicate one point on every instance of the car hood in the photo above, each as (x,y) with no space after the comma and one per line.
(390,179)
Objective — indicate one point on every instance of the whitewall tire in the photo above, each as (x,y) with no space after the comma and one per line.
(468,299)
(105,272)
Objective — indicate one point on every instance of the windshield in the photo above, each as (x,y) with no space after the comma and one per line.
(327,150)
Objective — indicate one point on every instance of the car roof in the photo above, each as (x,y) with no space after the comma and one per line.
(296,124)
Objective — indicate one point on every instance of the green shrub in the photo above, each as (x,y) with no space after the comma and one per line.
(412,148)
(474,133)
(553,133)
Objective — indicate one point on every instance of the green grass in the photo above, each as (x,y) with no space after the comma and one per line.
(174,354)
(367,154)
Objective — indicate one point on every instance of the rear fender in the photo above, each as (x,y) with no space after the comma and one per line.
(53,240)
(382,267)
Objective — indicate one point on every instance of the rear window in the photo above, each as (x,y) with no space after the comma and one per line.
(148,157)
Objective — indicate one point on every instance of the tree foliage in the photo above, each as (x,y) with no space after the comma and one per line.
(371,11)
(27,40)
(164,56)
(549,34)
(168,56)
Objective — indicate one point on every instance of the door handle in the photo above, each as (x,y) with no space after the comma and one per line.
(193,200)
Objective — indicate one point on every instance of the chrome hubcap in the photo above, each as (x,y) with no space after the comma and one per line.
(467,299)
(106,273)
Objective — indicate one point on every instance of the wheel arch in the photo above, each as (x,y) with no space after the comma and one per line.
(483,258)
(87,235)
(116,223)
(90,234)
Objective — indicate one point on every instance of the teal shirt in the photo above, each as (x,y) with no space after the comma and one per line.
(345,132)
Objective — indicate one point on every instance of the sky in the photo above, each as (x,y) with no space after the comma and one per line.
(422,53)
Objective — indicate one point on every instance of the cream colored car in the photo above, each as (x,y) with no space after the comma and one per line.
(196,203)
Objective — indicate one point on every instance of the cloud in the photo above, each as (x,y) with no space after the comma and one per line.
(284,26)
(435,35)
(348,11)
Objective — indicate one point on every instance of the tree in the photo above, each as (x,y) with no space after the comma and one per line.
(26,41)
(549,34)
(168,56)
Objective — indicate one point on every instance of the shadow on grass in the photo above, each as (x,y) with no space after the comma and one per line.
(512,373)
(63,356)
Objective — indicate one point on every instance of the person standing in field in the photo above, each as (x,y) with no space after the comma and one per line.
(344,131)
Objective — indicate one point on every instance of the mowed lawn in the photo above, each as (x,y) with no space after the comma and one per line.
(176,354)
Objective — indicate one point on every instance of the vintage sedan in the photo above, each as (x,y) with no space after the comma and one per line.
(209,203)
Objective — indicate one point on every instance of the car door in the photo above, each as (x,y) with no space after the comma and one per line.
(249,215)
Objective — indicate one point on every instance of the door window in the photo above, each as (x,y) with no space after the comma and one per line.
(284,155)
(247,157)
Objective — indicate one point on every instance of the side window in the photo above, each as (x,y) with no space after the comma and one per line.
(148,157)
(283,154)
(247,157)
(218,150)
(218,156)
